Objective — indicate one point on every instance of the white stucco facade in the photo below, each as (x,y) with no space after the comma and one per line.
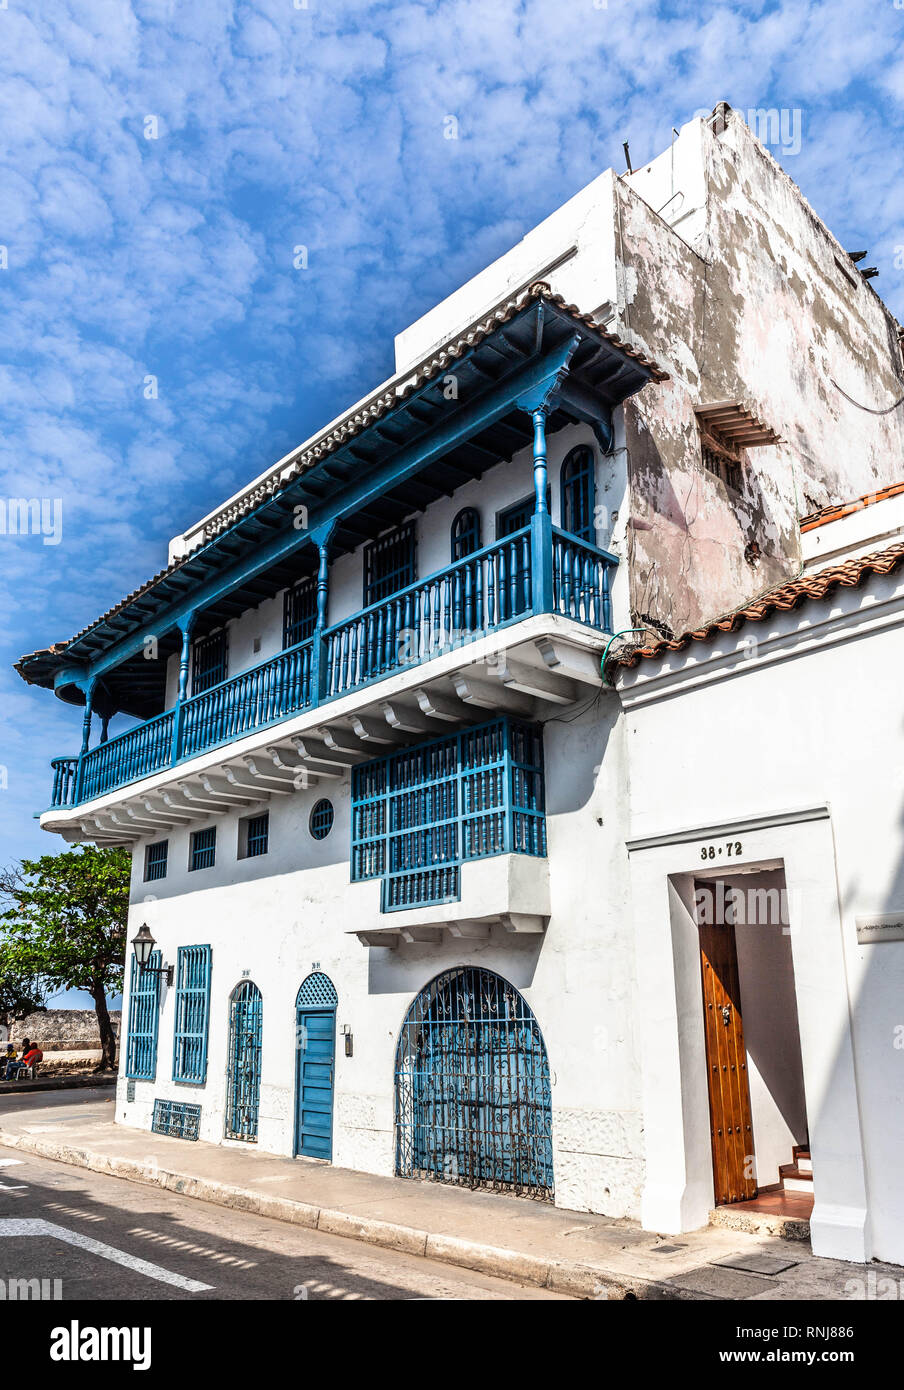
(804,709)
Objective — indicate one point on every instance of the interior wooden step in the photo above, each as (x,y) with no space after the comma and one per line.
(795,1179)
(802,1158)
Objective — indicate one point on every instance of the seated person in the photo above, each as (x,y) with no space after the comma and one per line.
(30,1055)
(11,1058)
(15,1065)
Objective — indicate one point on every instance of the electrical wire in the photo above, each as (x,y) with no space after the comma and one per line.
(868,408)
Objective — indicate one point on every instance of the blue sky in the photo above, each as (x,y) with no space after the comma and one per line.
(283,123)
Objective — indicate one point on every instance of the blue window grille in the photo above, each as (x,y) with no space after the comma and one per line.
(418,814)
(192,1014)
(203,849)
(176,1118)
(389,564)
(579,493)
(465,534)
(472,1094)
(144,1014)
(244,1075)
(300,612)
(256,835)
(321,822)
(155,861)
(209,661)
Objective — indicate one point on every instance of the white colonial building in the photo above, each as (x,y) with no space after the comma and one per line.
(425,879)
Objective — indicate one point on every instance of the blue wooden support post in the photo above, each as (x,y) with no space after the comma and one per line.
(541,522)
(321,538)
(186,623)
(86,735)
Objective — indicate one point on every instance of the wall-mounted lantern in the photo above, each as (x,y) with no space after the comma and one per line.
(143,944)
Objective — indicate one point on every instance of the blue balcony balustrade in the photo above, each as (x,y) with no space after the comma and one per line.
(248,701)
(64,774)
(136,753)
(480,594)
(581,581)
(536,569)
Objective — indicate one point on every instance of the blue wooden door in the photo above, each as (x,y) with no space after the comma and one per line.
(316,1052)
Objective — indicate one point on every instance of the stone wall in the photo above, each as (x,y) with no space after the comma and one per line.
(59,1030)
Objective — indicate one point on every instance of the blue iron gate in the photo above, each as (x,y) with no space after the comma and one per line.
(473,1100)
(315,1037)
(244,1081)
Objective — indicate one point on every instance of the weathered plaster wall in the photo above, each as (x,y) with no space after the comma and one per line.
(752,308)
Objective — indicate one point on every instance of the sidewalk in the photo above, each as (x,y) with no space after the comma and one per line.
(56,1083)
(568,1252)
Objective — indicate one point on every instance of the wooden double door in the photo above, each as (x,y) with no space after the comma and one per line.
(734,1167)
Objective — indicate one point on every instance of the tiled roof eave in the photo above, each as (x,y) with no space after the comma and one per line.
(783,599)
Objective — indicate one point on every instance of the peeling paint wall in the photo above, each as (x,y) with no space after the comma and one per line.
(743,294)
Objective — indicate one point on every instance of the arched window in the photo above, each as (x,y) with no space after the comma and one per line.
(579,494)
(473,1102)
(243,1088)
(465,534)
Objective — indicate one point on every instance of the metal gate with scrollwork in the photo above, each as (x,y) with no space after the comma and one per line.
(472,1086)
(244,1081)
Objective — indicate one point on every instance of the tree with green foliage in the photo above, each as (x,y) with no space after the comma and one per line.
(65,925)
(20,994)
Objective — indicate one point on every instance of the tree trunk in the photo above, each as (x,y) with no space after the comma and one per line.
(105,1028)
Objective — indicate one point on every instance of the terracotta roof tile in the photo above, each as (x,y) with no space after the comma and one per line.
(840,509)
(783,599)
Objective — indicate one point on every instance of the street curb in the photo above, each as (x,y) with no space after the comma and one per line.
(559,1276)
(58,1083)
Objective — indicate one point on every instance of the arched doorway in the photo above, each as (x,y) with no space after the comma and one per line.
(315,1044)
(244,1069)
(472,1087)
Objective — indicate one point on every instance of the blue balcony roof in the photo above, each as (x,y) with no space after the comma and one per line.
(393,456)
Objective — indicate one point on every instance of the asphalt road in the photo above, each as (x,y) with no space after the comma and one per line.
(106,1238)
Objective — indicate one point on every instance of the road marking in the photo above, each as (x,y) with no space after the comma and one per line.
(8,1162)
(13,1186)
(12,1227)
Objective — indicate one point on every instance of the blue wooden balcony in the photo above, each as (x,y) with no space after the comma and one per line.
(535,570)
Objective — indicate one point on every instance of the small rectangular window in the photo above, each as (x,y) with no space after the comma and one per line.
(721,463)
(254,836)
(203,849)
(209,660)
(300,612)
(389,564)
(155,860)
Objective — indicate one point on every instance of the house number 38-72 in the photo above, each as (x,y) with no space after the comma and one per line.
(731,848)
